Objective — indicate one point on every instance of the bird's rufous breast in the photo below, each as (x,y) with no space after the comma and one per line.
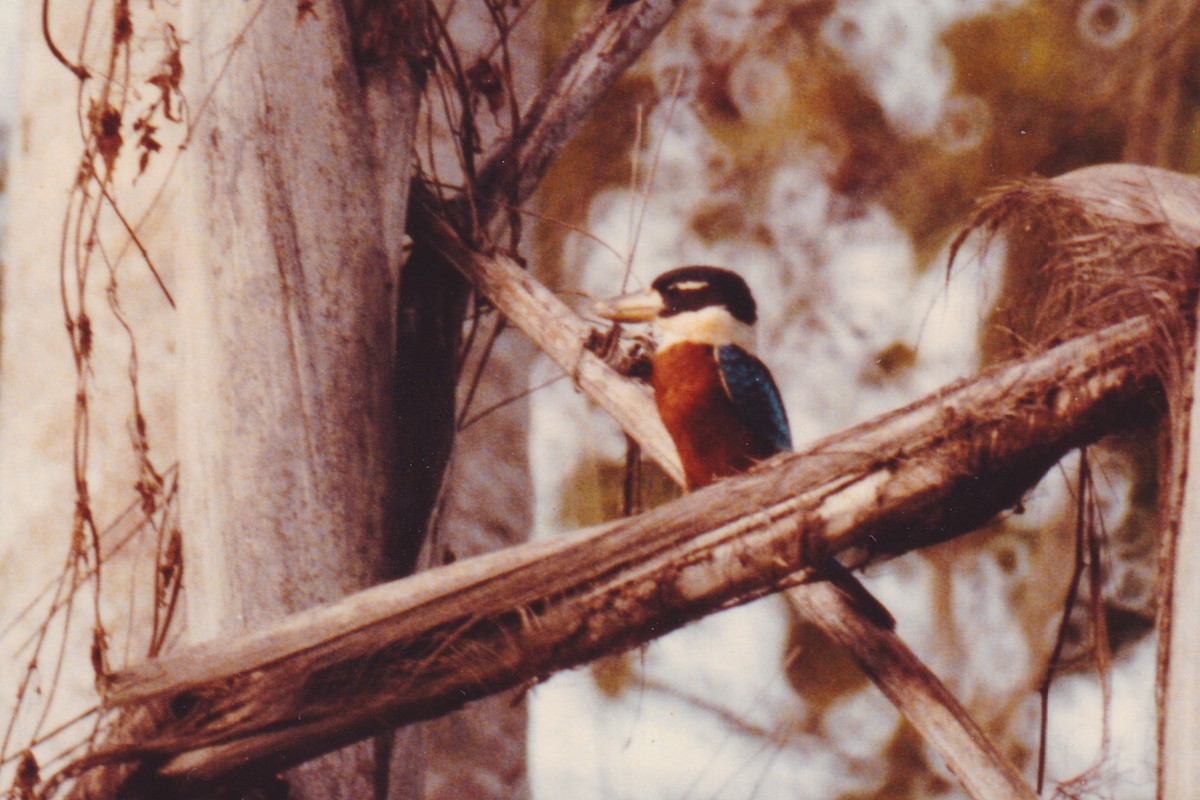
(712,441)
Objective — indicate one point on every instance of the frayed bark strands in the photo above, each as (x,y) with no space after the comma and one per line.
(1088,250)
(1089,247)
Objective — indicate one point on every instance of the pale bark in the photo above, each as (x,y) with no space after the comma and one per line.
(286,312)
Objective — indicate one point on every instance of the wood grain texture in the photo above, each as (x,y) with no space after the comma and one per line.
(416,648)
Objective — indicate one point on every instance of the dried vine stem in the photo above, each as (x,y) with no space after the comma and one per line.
(111,104)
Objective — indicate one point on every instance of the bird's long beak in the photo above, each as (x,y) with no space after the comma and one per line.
(642,307)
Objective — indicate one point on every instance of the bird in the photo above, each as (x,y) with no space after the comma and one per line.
(717,400)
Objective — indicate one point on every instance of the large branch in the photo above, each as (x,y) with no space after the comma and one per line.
(416,648)
(913,687)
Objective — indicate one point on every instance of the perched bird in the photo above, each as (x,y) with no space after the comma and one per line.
(716,399)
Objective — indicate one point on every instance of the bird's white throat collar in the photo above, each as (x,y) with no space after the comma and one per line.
(713,325)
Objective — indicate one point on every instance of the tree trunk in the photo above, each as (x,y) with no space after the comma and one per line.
(286,328)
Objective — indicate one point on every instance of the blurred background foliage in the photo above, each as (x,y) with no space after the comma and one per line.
(829,151)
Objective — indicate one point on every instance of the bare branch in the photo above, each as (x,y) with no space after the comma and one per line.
(417,648)
(916,691)
(600,54)
(560,334)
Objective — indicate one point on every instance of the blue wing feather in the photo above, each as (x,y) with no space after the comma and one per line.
(753,392)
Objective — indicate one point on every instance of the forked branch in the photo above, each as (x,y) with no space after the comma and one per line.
(417,648)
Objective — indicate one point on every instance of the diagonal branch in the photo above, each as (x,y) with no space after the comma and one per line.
(562,336)
(433,298)
(417,648)
(598,56)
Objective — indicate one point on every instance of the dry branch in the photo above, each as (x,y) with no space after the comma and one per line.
(920,696)
(417,648)
(984,772)
(597,57)
(561,335)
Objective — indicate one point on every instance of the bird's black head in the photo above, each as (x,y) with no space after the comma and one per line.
(694,288)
